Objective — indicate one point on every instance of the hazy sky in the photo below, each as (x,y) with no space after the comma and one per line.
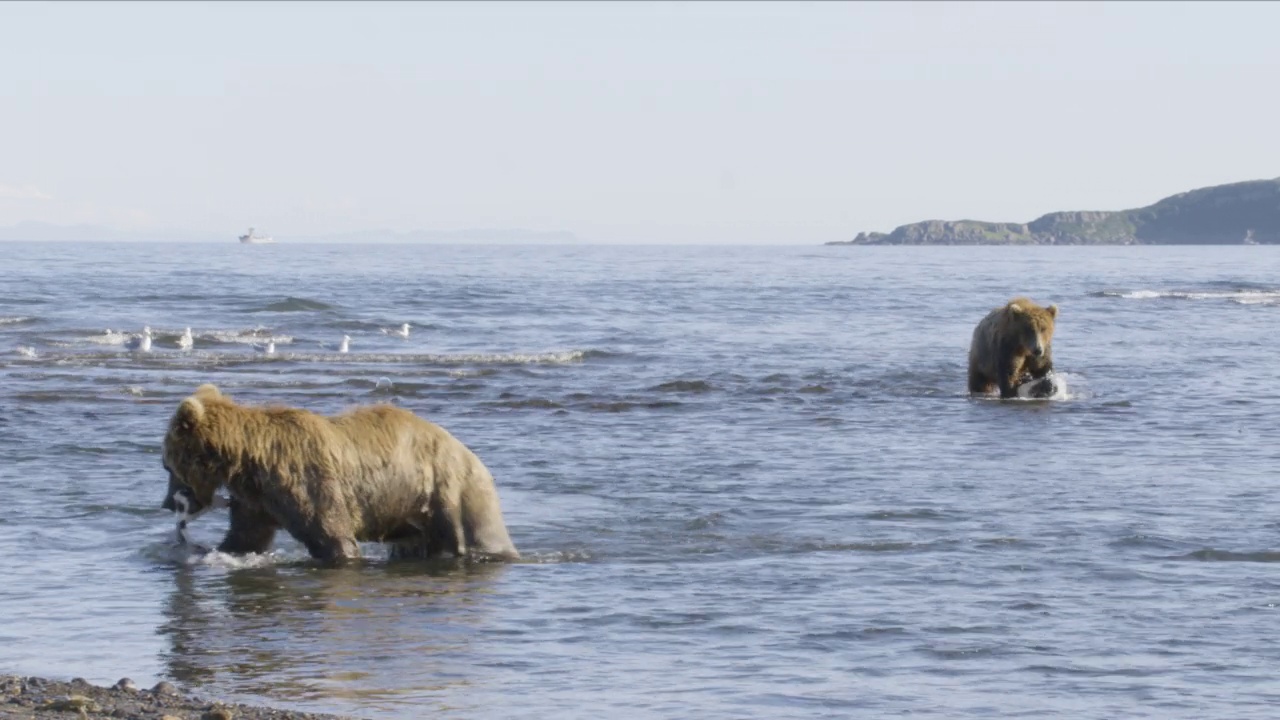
(645,122)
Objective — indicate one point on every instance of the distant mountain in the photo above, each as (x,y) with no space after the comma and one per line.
(66,233)
(1243,212)
(38,232)
(479,236)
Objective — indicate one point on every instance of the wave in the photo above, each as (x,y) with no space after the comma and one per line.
(1210,554)
(548,358)
(691,386)
(162,338)
(249,336)
(108,337)
(292,304)
(1061,391)
(174,356)
(21,320)
(1243,296)
(192,555)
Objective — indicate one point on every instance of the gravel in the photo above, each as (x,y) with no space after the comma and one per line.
(43,699)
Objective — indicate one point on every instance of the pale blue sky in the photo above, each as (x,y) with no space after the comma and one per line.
(624,122)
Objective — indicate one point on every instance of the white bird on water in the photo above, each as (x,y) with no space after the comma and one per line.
(143,342)
(346,344)
(402,332)
(186,341)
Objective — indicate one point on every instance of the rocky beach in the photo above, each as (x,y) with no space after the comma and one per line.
(32,697)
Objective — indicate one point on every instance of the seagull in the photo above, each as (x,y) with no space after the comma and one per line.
(402,332)
(143,343)
(186,341)
(346,344)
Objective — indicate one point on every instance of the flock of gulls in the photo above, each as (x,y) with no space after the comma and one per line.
(142,341)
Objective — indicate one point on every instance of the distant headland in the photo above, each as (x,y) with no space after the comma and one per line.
(1243,212)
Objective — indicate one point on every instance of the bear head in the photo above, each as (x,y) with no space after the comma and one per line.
(1033,325)
(196,470)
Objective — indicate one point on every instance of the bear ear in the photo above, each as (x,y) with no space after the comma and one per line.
(1053,310)
(190,413)
(208,390)
(1015,307)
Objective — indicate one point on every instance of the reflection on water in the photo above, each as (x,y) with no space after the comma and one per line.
(373,632)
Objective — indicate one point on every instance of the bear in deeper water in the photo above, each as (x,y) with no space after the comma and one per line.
(1010,345)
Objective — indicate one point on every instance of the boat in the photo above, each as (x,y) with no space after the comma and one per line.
(252,238)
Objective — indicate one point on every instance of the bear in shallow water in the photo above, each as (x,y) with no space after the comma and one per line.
(372,474)
(1011,345)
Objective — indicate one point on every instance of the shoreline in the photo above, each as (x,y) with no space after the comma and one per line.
(24,698)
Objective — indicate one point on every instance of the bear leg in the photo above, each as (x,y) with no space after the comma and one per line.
(1010,372)
(978,383)
(332,548)
(251,531)
(489,537)
(445,533)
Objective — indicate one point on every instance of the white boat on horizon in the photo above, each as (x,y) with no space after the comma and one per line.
(252,238)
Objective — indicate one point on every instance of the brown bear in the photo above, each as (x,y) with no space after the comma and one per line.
(372,474)
(1009,344)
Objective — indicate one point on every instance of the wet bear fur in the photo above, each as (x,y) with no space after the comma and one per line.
(1011,345)
(372,474)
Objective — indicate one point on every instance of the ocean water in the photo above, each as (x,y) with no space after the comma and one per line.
(747,482)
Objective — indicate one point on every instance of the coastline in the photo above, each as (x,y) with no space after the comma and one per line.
(1242,213)
(34,697)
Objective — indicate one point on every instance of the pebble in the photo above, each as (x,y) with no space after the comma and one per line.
(164,688)
(125,684)
(72,703)
(217,713)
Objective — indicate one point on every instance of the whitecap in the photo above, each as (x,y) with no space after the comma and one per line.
(550,358)
(1244,297)
(402,331)
(109,337)
(252,336)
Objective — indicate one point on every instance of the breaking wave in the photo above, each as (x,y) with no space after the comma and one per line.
(1241,296)
(550,358)
(174,356)
(16,320)
(249,336)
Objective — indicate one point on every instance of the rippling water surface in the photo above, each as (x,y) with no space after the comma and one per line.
(747,482)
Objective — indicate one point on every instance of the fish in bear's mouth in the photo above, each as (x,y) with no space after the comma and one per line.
(188,508)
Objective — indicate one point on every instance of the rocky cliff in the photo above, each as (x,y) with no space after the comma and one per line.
(1244,212)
